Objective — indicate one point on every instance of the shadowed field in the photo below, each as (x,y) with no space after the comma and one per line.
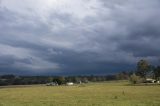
(93,94)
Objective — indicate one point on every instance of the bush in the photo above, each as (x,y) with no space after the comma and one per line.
(135,79)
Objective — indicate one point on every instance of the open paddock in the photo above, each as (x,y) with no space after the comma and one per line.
(91,94)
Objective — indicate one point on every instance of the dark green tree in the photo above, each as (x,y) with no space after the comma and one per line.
(143,68)
(50,79)
(59,80)
(157,72)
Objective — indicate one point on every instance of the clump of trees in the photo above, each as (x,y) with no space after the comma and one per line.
(28,80)
(123,75)
(145,70)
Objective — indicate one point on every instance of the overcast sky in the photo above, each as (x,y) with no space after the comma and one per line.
(67,37)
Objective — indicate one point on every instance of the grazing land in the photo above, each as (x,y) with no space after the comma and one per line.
(91,94)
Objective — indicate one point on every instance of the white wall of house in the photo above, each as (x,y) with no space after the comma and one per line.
(69,83)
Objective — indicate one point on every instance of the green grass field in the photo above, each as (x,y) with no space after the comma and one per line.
(93,94)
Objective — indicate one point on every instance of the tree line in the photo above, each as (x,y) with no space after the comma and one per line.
(29,80)
(144,70)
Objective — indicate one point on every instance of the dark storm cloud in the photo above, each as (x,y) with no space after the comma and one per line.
(141,26)
(84,37)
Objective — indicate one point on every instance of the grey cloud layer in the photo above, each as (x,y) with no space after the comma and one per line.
(83,37)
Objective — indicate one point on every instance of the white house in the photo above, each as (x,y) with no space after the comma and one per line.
(52,84)
(150,80)
(69,83)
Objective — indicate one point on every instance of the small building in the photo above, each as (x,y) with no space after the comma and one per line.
(150,80)
(52,84)
(69,83)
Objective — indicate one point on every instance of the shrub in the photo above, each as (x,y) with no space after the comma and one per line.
(135,79)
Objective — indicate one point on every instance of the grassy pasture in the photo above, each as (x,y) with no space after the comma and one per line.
(93,94)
